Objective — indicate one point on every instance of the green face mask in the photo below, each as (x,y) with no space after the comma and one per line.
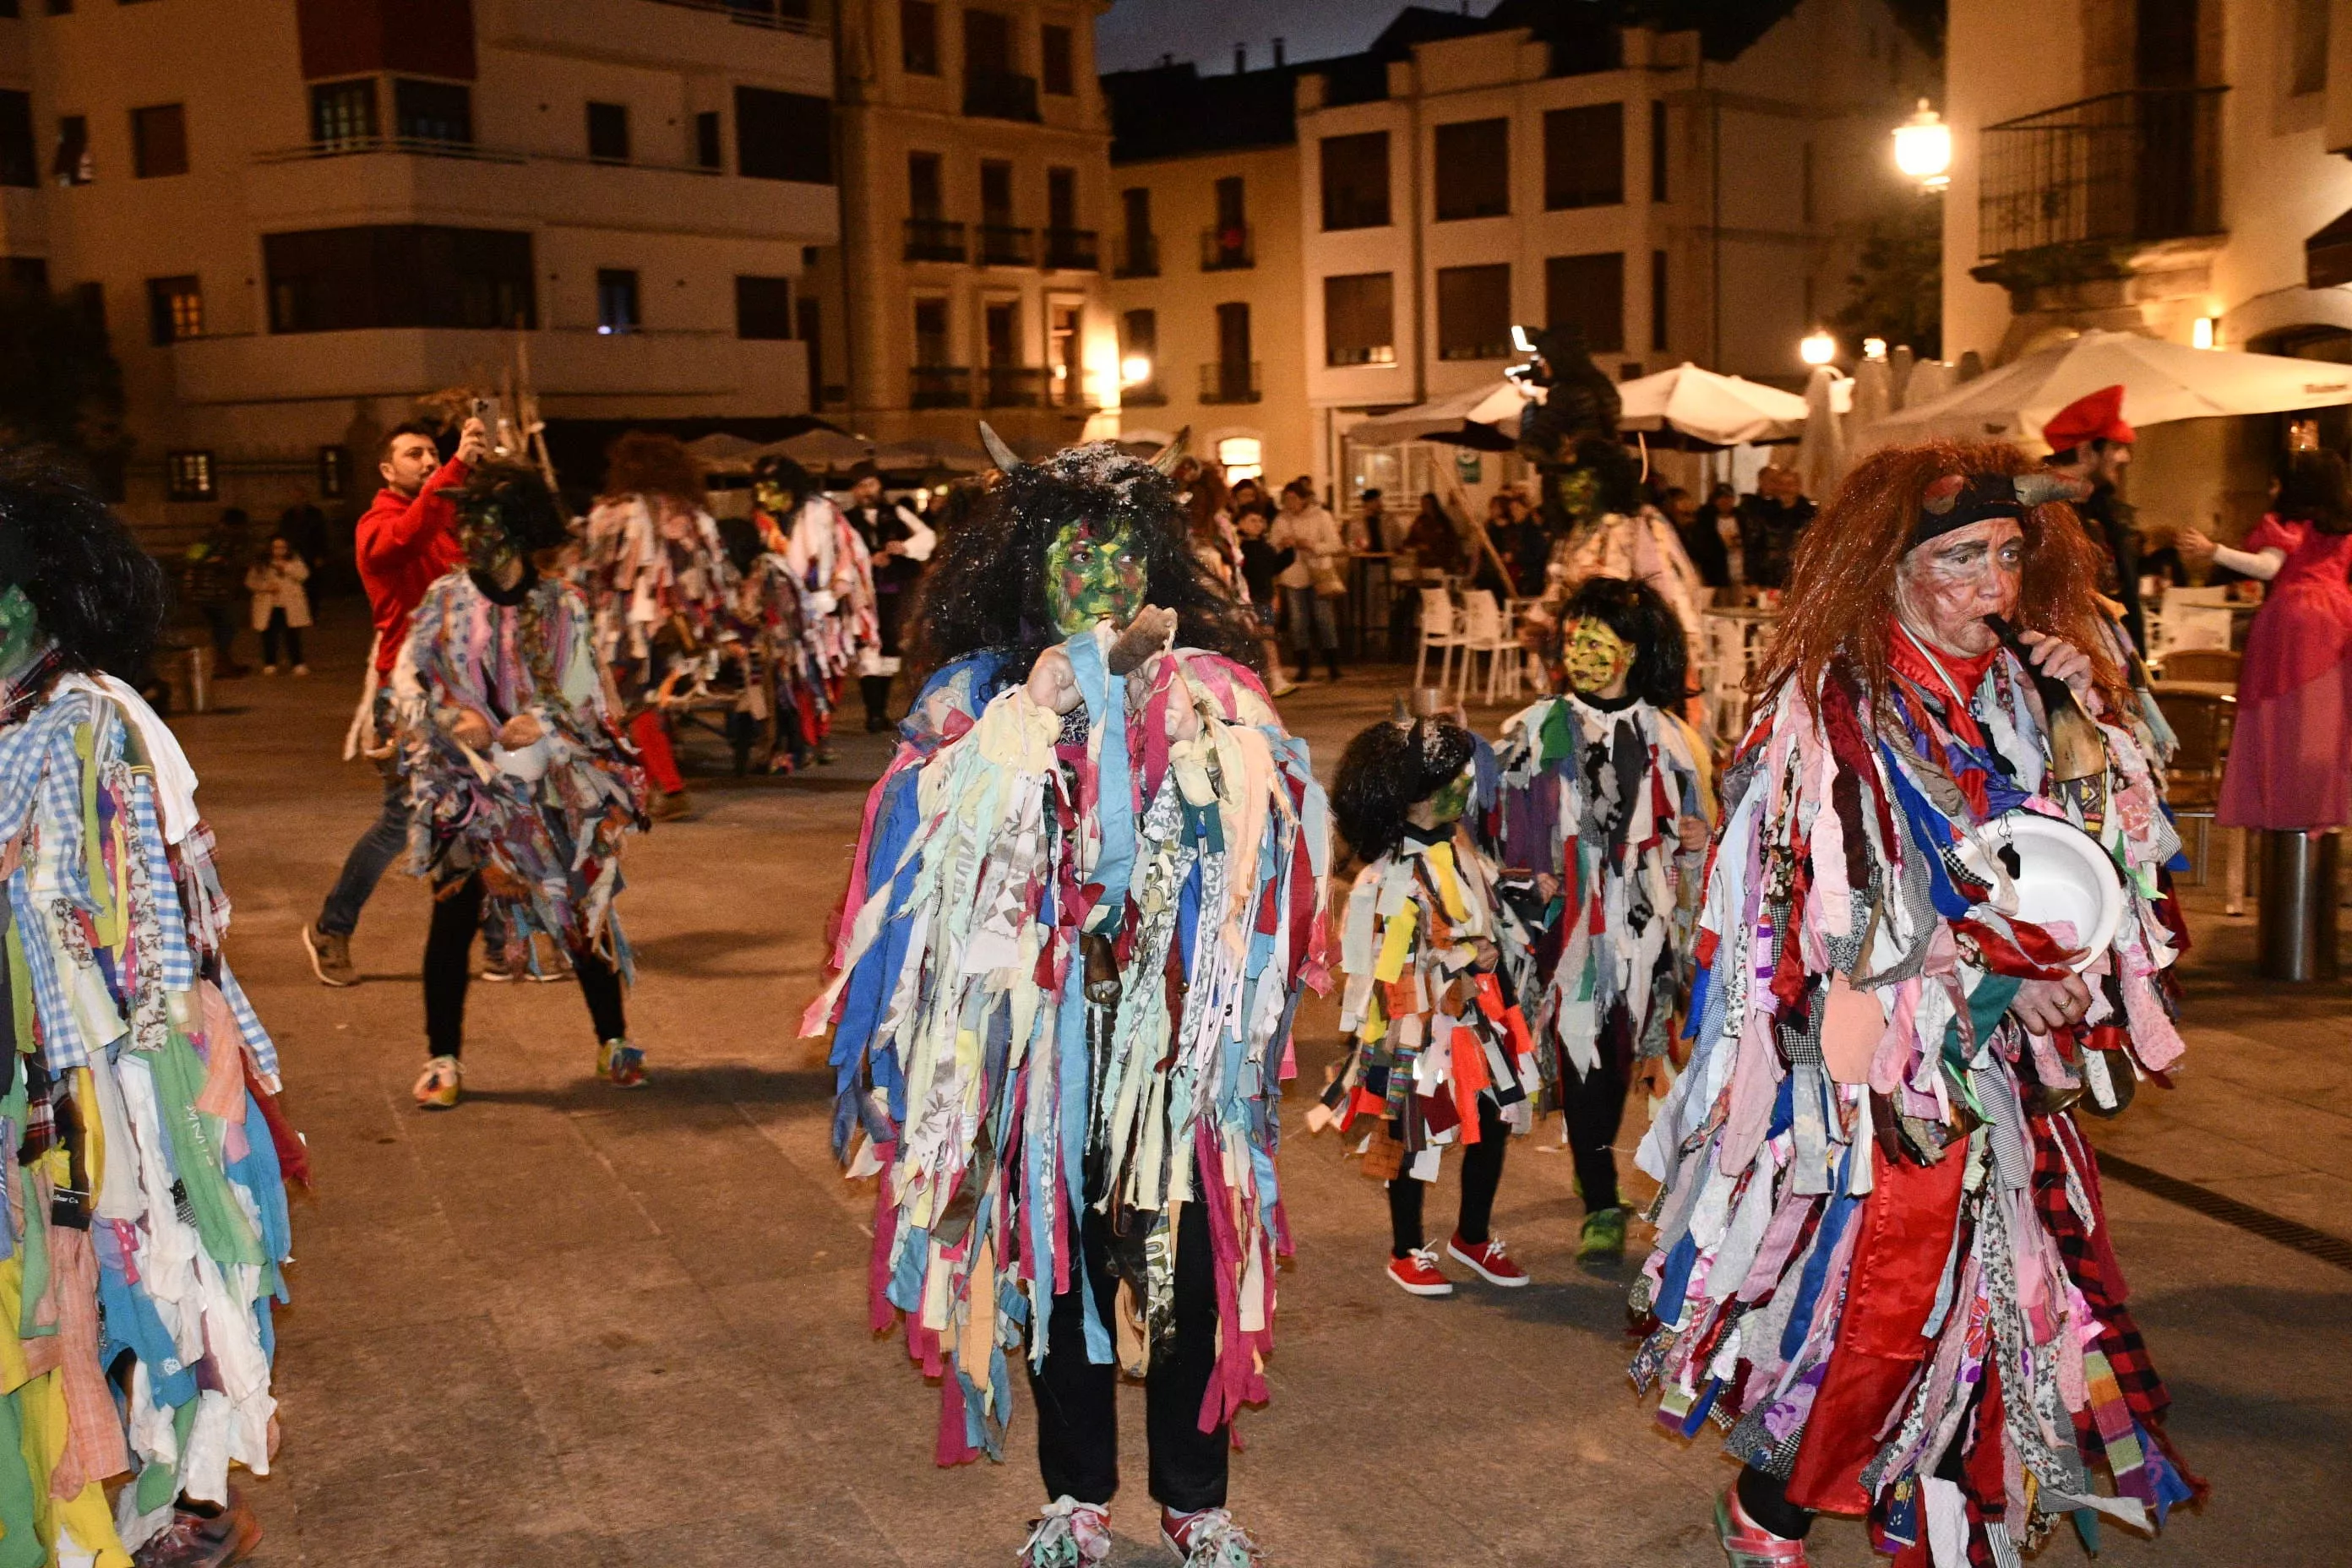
(20,629)
(1448,804)
(773,498)
(484,540)
(1093,573)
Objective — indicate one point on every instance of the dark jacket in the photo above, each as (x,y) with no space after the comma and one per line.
(1703,542)
(2109,520)
(1768,531)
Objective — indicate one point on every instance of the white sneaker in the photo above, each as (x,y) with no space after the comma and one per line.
(302,670)
(1068,1534)
(269,670)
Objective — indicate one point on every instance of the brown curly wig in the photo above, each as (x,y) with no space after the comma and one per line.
(641,463)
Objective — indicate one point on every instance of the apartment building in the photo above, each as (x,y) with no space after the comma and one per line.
(968,281)
(294,219)
(2174,167)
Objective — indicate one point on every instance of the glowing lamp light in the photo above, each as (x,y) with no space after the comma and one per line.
(1818,349)
(1874,348)
(1134,370)
(2200,333)
(1923,148)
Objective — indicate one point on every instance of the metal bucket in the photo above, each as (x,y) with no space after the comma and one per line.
(2296,924)
(194,677)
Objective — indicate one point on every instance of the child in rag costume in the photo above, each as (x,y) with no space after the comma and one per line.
(145,1225)
(1440,1053)
(1087,899)
(788,626)
(1604,795)
(521,783)
(1881,1258)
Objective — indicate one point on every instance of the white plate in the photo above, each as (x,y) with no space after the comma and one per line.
(2063,875)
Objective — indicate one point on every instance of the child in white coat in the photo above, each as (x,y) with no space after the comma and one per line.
(281,605)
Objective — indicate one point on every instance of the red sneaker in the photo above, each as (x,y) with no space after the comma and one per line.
(1747,1543)
(1417,1272)
(1488,1261)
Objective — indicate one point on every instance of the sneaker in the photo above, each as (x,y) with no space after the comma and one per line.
(1068,1534)
(436,1087)
(1209,1539)
(1417,1273)
(669,805)
(620,1064)
(331,957)
(1282,688)
(1602,1240)
(826,756)
(498,969)
(1488,1261)
(550,962)
(194,1540)
(269,670)
(302,670)
(1747,1543)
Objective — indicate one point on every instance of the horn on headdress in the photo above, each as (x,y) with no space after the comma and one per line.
(1168,457)
(1003,456)
(2035,490)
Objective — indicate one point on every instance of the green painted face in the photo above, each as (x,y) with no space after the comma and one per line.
(1094,573)
(773,498)
(20,629)
(484,537)
(1596,657)
(1448,804)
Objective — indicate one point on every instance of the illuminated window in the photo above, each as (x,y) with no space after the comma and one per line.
(1243,457)
(188,476)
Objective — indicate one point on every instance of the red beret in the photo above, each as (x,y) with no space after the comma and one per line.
(2096,416)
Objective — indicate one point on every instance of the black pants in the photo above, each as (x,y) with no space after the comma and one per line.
(1077,1401)
(448,970)
(221,620)
(1594,1104)
(1482,1173)
(280,627)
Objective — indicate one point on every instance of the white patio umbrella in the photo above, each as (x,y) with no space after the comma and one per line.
(821,450)
(1489,405)
(1723,410)
(1822,456)
(932,455)
(2161,381)
(724,449)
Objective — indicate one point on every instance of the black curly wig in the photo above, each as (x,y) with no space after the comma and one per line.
(98,596)
(985,588)
(514,498)
(1636,613)
(1386,771)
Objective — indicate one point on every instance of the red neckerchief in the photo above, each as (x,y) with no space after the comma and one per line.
(1938,675)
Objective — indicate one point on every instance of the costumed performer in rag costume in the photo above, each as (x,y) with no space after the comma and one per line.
(1608,796)
(662,588)
(1440,1053)
(1088,896)
(522,783)
(838,608)
(146,1216)
(782,623)
(1881,1258)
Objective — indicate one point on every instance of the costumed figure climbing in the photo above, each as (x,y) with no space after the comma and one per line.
(145,1220)
(1936,920)
(783,626)
(663,591)
(1440,1054)
(520,784)
(1084,903)
(1607,795)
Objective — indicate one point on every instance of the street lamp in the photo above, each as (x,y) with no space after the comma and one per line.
(1818,349)
(1923,148)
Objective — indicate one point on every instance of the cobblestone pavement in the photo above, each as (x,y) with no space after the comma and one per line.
(564,1325)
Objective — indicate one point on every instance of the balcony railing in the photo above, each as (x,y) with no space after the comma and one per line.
(1011,386)
(1001,245)
(934,239)
(939,386)
(1228,249)
(1072,250)
(2123,167)
(1136,256)
(1229,381)
(1000,95)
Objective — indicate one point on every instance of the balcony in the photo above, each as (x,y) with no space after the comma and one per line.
(785,41)
(1072,250)
(939,386)
(1228,249)
(1012,387)
(1001,245)
(1229,381)
(1000,95)
(2125,168)
(934,239)
(1136,256)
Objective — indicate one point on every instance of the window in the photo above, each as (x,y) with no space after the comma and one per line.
(1473,169)
(334,473)
(931,332)
(919,38)
(763,307)
(342,113)
(18,165)
(1061,198)
(89,303)
(159,141)
(608,133)
(1657,299)
(2309,73)
(706,154)
(1000,332)
(1588,292)
(1657,150)
(1584,156)
(1138,355)
(73,164)
(60,7)
(1473,311)
(987,44)
(783,136)
(995,193)
(1058,75)
(811,324)
(1356,181)
(616,301)
(341,280)
(925,199)
(1234,378)
(175,310)
(433,111)
(188,476)
(1242,458)
(1359,319)
(1065,382)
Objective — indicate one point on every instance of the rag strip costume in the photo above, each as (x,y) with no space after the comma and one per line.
(1589,790)
(771,607)
(839,616)
(145,1224)
(1882,1261)
(665,598)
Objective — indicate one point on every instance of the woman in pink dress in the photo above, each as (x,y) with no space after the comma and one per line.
(2291,757)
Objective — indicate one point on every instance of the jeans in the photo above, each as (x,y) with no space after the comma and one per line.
(279,626)
(1306,606)
(1482,1173)
(1077,1400)
(364,867)
(449,970)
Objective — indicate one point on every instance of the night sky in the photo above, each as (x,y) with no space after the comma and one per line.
(1138,32)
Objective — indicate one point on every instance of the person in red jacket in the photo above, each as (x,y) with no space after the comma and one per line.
(403,543)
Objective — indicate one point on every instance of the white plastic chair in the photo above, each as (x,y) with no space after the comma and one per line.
(1482,632)
(1437,631)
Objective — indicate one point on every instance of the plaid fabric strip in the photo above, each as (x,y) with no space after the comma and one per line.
(61,1041)
(176,963)
(257,1038)
(2119,1336)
